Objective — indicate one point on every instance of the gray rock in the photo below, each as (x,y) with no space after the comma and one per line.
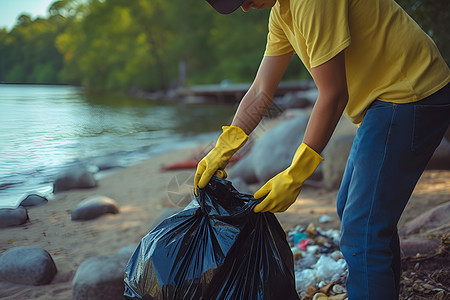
(447,134)
(33,200)
(433,218)
(94,207)
(127,250)
(100,278)
(75,178)
(27,265)
(335,158)
(241,186)
(274,151)
(438,231)
(243,170)
(12,217)
(412,246)
(271,153)
(441,157)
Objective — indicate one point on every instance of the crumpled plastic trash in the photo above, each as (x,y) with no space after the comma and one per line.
(325,219)
(322,262)
(328,269)
(216,248)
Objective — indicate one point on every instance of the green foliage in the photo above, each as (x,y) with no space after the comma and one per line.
(28,47)
(117,45)
(433,16)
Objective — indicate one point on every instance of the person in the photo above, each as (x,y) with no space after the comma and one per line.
(373,64)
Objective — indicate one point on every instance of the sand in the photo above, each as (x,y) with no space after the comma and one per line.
(142,192)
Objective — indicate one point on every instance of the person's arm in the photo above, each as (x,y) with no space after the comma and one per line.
(331,82)
(249,113)
(258,98)
(282,190)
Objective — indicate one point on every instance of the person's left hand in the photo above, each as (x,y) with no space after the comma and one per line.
(282,190)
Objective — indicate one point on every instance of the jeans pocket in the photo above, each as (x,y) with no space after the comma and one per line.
(430,124)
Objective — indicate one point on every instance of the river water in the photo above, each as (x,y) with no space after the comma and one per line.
(45,129)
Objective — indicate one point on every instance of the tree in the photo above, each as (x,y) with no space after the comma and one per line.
(28,52)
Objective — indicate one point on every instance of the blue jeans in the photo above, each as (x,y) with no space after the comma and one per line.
(390,152)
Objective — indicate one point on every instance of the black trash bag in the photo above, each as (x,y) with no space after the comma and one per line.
(216,248)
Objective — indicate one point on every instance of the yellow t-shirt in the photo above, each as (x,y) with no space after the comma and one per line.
(387,55)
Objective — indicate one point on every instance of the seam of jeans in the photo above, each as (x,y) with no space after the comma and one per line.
(373,200)
(350,164)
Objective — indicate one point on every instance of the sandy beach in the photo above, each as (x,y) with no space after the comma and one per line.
(143,192)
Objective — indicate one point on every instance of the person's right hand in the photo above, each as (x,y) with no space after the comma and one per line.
(214,163)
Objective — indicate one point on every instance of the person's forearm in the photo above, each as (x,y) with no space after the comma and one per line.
(252,108)
(258,98)
(325,115)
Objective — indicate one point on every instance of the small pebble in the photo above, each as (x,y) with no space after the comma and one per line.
(320,240)
(311,230)
(325,219)
(338,289)
(338,297)
(428,286)
(418,288)
(336,255)
(313,249)
(320,296)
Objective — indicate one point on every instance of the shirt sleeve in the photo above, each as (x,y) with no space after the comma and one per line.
(277,42)
(324,26)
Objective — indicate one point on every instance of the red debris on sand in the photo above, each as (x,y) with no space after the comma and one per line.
(191,164)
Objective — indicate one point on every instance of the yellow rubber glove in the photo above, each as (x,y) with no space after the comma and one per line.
(230,141)
(283,189)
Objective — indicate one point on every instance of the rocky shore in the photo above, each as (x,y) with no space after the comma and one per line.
(90,233)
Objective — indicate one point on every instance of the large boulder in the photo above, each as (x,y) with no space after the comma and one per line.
(335,159)
(447,134)
(94,207)
(413,246)
(27,265)
(241,186)
(75,178)
(127,250)
(441,157)
(243,170)
(13,216)
(433,218)
(33,200)
(272,152)
(438,231)
(100,278)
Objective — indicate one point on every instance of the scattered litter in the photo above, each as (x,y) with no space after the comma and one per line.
(325,219)
(303,243)
(318,263)
(298,237)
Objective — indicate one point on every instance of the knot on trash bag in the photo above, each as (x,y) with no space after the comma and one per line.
(220,199)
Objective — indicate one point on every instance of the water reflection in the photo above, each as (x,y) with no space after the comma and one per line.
(43,128)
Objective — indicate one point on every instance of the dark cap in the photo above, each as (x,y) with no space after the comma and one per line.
(225,6)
